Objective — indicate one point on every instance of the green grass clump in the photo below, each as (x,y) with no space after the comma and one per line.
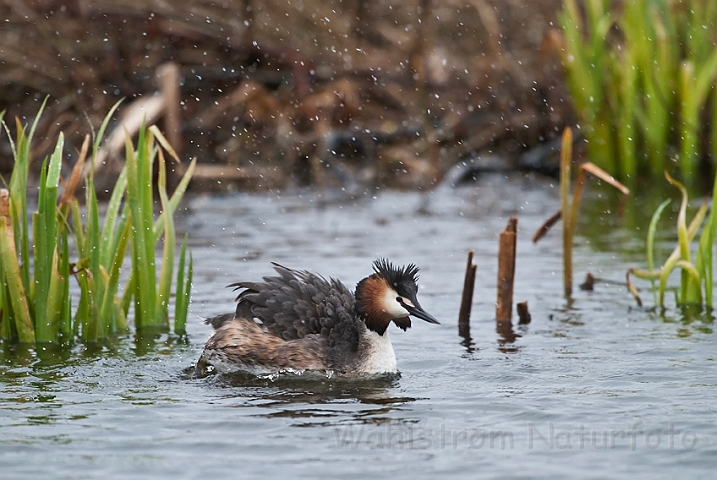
(35,300)
(696,280)
(641,75)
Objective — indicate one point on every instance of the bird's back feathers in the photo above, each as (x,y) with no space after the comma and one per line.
(297,303)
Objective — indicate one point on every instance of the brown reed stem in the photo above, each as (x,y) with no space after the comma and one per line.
(566,157)
(547,226)
(464,316)
(506,271)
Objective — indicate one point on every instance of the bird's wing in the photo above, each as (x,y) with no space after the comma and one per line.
(299,303)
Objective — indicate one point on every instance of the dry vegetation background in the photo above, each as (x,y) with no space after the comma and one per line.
(295,91)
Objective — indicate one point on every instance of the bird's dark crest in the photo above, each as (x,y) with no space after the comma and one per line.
(397,276)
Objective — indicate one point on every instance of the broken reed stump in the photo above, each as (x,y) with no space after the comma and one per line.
(506,271)
(589,283)
(464,316)
(523,313)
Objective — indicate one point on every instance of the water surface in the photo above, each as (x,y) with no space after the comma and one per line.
(594,387)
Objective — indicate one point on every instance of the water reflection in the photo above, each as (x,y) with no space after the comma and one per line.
(146,343)
(464,331)
(51,355)
(313,399)
(50,362)
(690,319)
(506,337)
(310,388)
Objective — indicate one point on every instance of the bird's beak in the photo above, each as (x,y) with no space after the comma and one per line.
(419,312)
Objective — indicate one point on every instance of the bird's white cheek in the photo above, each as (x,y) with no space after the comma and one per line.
(391,306)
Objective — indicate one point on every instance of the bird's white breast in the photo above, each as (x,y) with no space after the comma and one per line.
(377,353)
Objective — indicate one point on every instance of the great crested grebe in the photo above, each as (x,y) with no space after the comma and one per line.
(301,321)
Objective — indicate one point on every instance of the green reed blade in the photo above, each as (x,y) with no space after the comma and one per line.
(626,118)
(103,126)
(659,96)
(37,294)
(78,232)
(175,198)
(111,246)
(141,245)
(695,83)
(93,248)
(187,293)
(146,153)
(87,311)
(81,318)
(92,225)
(585,62)
(703,264)
(713,133)
(691,295)
(55,300)
(110,223)
(18,192)
(45,252)
(18,202)
(108,301)
(689,290)
(652,229)
(128,294)
(664,275)
(7,318)
(180,319)
(583,85)
(165,276)
(704,77)
(689,108)
(703,260)
(37,119)
(53,172)
(681,219)
(104,324)
(16,288)
(698,34)
(6,321)
(41,278)
(120,317)
(181,303)
(65,327)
